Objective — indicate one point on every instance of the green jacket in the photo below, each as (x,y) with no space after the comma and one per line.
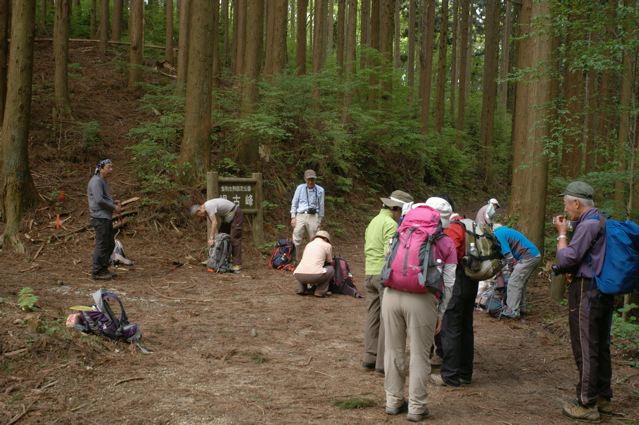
(379,232)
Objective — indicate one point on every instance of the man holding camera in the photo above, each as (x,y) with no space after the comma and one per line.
(590,312)
(307,209)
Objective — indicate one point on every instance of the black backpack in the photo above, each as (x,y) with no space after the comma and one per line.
(220,254)
(342,282)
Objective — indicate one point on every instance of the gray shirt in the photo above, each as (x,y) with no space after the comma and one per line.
(220,207)
(578,254)
(101,204)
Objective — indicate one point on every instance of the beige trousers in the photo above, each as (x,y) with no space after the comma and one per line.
(304,224)
(414,316)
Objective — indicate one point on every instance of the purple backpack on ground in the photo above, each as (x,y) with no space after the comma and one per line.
(342,282)
(102,321)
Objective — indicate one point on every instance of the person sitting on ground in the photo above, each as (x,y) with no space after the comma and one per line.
(307,209)
(379,233)
(225,217)
(516,247)
(486,214)
(590,311)
(315,269)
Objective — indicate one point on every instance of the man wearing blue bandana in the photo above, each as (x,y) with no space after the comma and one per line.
(101,208)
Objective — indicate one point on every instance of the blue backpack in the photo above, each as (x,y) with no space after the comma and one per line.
(620,271)
(283,256)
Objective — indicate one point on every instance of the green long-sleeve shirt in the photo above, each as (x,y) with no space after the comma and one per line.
(379,232)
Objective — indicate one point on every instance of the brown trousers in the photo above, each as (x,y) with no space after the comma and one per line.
(320,282)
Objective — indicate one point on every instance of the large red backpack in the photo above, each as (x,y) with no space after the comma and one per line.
(410,266)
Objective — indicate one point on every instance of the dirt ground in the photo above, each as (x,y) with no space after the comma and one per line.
(233,348)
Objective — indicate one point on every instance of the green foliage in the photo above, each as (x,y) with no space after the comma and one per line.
(626,334)
(27,299)
(354,402)
(90,134)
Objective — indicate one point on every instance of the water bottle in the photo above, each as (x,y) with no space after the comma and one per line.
(473,250)
(474,257)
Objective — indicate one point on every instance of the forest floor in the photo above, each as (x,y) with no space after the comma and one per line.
(228,348)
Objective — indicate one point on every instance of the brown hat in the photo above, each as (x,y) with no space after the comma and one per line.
(323,234)
(309,174)
(397,199)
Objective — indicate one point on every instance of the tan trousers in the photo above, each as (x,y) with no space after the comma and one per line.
(374,328)
(319,282)
(413,316)
(304,224)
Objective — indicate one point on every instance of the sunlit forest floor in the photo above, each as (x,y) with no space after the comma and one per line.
(228,349)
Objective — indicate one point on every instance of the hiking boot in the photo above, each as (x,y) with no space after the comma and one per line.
(507,313)
(604,406)
(403,408)
(418,417)
(102,276)
(436,361)
(368,365)
(465,381)
(582,413)
(236,268)
(436,379)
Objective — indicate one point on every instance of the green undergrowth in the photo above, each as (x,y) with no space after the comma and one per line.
(626,334)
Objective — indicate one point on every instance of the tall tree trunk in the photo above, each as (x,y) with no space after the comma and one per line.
(454,57)
(116,20)
(249,147)
(330,41)
(42,17)
(302,6)
(489,83)
(136,48)
(607,93)
(17,190)
(318,43)
(349,57)
(365,35)
(93,19)
(410,71)
(504,62)
(61,54)
(386,35)
(5,18)
(530,165)
(397,62)
(426,62)
(293,15)
(239,37)
(183,47)
(625,103)
(104,25)
(341,24)
(373,60)
(276,34)
(216,64)
(224,56)
(168,43)
(463,62)
(195,148)
(441,71)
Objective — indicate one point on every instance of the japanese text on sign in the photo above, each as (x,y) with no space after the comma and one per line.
(241,194)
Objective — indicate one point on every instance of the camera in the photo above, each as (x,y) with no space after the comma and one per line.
(557,270)
(311,211)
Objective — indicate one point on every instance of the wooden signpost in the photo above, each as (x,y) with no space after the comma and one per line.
(245,192)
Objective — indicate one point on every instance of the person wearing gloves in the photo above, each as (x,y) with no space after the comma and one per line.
(315,269)
(486,214)
(307,209)
(378,235)
(516,246)
(412,310)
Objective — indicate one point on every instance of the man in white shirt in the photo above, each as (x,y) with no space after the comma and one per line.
(307,209)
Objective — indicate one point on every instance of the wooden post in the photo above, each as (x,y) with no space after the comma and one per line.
(258,224)
(212,190)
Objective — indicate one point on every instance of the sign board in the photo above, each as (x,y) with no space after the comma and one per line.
(245,192)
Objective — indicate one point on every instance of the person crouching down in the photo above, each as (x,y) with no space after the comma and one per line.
(315,268)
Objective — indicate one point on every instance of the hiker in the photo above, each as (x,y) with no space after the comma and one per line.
(225,217)
(486,214)
(456,339)
(315,269)
(307,209)
(101,209)
(590,311)
(379,233)
(522,258)
(411,308)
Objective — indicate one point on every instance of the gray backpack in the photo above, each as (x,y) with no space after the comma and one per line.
(220,254)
